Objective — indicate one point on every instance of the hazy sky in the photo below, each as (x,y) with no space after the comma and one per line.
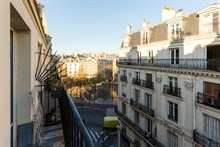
(79,26)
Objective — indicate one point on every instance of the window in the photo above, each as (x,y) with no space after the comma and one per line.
(123,108)
(136,95)
(173,83)
(124,72)
(212,90)
(148,100)
(174,53)
(137,75)
(215,22)
(150,56)
(136,117)
(148,125)
(175,31)
(148,77)
(211,127)
(145,38)
(210,23)
(172,139)
(173,111)
(124,90)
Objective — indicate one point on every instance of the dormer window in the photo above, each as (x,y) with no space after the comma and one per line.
(145,38)
(175,31)
(210,23)
(209,19)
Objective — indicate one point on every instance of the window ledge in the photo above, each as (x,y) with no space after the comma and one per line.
(173,97)
(207,107)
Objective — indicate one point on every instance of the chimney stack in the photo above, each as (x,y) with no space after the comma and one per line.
(129,29)
(145,24)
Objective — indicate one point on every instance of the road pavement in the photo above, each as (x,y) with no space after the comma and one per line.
(94,123)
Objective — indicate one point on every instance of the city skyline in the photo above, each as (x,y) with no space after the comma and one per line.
(97,26)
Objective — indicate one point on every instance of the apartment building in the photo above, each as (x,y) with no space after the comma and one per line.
(169,82)
(105,68)
(72,67)
(24,44)
(89,67)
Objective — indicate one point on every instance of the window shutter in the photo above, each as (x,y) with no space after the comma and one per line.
(211,89)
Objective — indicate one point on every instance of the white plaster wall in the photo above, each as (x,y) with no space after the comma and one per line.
(5,73)
(26,80)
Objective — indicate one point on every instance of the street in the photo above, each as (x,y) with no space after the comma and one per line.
(93,117)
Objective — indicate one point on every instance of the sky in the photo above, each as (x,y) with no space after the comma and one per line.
(93,26)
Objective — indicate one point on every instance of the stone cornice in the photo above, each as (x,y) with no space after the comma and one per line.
(194,72)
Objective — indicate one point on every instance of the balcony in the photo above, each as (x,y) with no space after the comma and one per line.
(207,100)
(74,130)
(175,91)
(136,81)
(123,94)
(123,78)
(204,141)
(148,84)
(197,64)
(143,108)
(144,134)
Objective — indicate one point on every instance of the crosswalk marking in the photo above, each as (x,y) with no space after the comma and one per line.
(95,135)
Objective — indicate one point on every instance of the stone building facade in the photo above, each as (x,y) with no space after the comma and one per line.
(169,82)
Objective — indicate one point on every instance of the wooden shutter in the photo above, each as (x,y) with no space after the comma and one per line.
(149,77)
(211,89)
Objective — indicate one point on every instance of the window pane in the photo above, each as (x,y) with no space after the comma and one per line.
(177,56)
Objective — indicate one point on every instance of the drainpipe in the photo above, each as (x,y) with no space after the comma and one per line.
(155,106)
(193,102)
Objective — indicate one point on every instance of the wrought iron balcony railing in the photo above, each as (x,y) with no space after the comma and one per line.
(143,108)
(136,81)
(207,100)
(123,94)
(198,64)
(205,141)
(74,130)
(175,91)
(123,78)
(144,134)
(148,84)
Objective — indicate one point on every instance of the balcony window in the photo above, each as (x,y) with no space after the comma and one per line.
(211,127)
(136,95)
(137,75)
(148,100)
(123,105)
(173,111)
(148,125)
(145,38)
(124,72)
(175,31)
(173,83)
(172,139)
(124,90)
(136,117)
(174,53)
(212,90)
(150,56)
